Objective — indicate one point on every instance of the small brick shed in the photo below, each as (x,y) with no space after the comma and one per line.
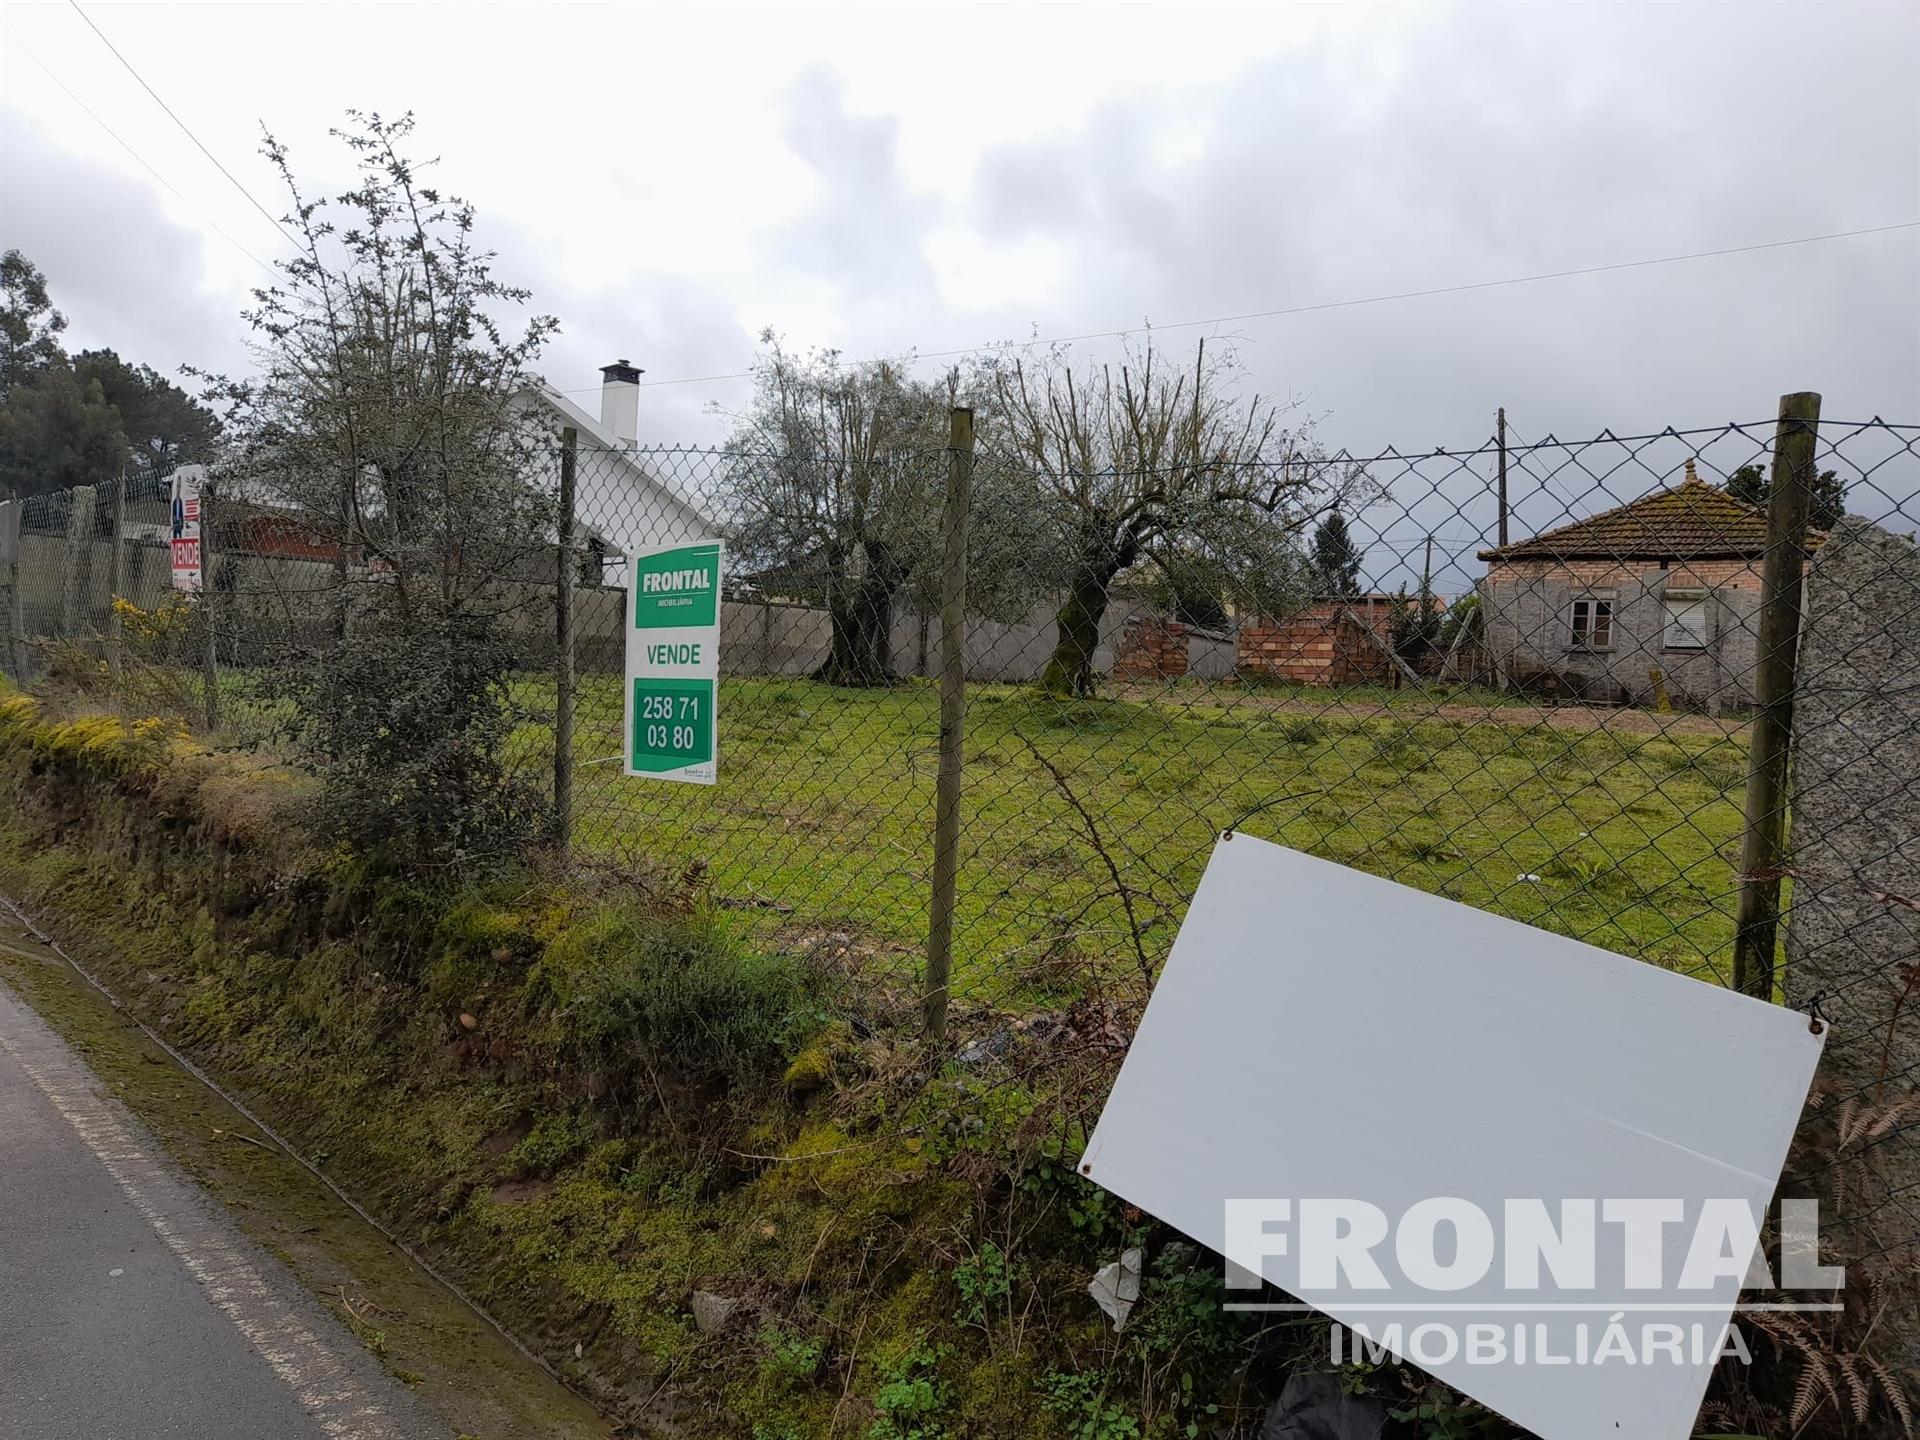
(1331,642)
(1152,647)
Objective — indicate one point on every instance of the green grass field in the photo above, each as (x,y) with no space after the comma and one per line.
(822,818)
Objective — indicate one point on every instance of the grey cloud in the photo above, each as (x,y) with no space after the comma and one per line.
(668,325)
(1508,143)
(1500,147)
(1495,153)
(123,273)
(1505,143)
(864,231)
(860,234)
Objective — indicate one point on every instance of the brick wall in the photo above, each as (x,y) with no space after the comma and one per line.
(1152,647)
(1325,644)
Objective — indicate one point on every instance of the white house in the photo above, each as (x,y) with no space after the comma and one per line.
(624,500)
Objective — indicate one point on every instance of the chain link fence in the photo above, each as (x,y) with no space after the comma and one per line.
(1659,692)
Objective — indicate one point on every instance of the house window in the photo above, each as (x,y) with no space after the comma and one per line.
(1592,622)
(1686,619)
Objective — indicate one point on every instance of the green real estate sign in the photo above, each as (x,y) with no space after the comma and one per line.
(673,662)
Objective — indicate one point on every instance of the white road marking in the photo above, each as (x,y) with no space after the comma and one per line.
(319,1377)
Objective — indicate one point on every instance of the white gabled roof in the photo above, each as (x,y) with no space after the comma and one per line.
(598,437)
(590,429)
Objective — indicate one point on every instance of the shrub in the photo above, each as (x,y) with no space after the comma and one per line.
(408,721)
(404,456)
(623,992)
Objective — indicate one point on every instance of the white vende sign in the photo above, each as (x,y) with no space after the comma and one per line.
(184,517)
(673,662)
(1513,1156)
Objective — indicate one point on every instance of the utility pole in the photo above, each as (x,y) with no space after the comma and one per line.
(1501,430)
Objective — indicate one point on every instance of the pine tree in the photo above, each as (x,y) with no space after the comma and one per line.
(29,325)
(1336,559)
(56,432)
(162,422)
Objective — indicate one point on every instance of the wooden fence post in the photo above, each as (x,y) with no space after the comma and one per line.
(953,718)
(10,544)
(563,644)
(209,609)
(116,578)
(1782,579)
(76,566)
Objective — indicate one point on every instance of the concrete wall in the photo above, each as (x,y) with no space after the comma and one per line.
(269,598)
(147,581)
(1529,633)
(1004,652)
(1856,809)
(1211,657)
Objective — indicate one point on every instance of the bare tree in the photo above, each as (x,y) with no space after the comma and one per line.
(1148,463)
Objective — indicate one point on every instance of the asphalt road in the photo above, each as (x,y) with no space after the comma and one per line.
(130,1307)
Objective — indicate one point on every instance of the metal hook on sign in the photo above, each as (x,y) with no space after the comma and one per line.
(1265,805)
(1816,1022)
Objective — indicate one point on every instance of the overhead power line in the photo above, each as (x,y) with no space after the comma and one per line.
(141,159)
(184,130)
(1383,299)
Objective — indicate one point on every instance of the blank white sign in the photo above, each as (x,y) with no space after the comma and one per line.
(1319,1033)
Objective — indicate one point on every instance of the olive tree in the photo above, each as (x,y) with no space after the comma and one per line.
(835,472)
(379,425)
(1151,463)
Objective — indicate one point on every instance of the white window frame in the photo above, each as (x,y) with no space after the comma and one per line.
(1675,633)
(1580,637)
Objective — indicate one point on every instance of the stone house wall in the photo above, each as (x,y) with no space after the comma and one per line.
(1529,631)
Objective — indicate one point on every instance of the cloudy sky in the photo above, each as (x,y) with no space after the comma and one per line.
(671,181)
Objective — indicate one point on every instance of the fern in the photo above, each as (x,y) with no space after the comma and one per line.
(1857,1389)
(1895,1392)
(1814,1390)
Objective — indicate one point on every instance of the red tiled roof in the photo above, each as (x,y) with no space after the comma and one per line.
(1690,521)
